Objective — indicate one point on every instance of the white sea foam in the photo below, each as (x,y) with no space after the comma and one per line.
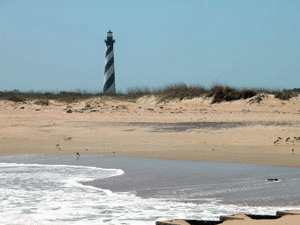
(53,194)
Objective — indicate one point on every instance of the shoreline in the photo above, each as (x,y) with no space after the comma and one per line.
(244,218)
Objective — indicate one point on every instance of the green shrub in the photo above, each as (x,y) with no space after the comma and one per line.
(179,91)
(15,98)
(225,93)
(42,102)
(286,95)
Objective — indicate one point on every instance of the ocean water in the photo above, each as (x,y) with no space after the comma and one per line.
(115,190)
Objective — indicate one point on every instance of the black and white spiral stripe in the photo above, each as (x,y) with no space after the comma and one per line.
(109,74)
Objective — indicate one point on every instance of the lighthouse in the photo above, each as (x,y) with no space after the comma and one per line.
(109,72)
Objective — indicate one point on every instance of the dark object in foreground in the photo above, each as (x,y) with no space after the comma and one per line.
(278,215)
(222,219)
(191,222)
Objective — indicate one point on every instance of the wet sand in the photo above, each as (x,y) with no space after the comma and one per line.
(217,188)
(189,181)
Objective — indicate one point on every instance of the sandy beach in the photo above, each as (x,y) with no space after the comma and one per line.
(239,131)
(244,131)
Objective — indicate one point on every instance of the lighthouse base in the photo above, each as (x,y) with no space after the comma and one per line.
(110,90)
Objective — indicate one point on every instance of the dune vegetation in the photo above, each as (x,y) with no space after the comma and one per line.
(219,93)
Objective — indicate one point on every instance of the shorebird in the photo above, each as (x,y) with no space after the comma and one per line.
(78,155)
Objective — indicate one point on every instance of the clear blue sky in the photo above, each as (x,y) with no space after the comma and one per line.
(55,45)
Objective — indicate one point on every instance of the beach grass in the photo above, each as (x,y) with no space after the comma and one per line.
(219,93)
